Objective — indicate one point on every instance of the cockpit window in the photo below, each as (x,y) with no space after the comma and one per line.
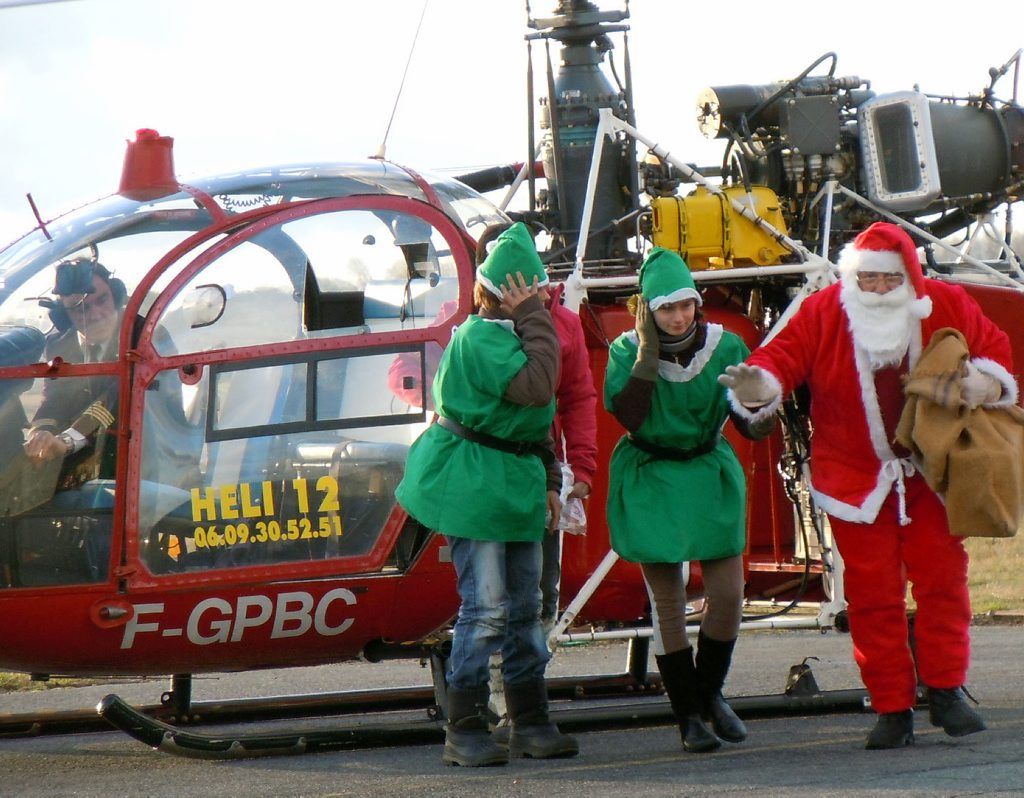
(106,220)
(28,298)
(337,273)
(475,212)
(274,461)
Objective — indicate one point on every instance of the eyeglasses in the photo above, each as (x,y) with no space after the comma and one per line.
(80,304)
(873,279)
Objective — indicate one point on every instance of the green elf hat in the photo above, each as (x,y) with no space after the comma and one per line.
(665,278)
(513,251)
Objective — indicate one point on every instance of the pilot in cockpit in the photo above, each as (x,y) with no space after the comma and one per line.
(74,415)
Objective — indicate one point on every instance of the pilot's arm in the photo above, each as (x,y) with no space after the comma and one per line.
(67,421)
(46,443)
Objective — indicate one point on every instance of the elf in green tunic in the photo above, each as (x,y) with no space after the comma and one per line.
(485,476)
(676,490)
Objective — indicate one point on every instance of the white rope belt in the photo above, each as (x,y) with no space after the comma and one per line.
(896,470)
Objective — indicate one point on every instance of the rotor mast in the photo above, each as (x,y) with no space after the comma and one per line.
(569,114)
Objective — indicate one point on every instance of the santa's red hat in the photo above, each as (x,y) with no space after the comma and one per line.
(886,247)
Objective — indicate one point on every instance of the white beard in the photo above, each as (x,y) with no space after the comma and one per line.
(881,323)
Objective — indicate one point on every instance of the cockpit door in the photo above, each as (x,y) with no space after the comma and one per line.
(281,379)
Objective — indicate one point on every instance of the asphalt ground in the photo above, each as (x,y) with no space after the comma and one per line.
(819,755)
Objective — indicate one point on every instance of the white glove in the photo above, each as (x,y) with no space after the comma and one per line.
(977,387)
(750,384)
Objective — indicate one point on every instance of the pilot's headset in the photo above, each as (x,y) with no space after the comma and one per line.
(74,276)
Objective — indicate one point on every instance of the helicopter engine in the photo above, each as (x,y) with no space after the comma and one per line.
(939,161)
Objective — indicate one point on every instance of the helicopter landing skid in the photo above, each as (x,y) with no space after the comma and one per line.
(174,740)
(805,700)
(345,703)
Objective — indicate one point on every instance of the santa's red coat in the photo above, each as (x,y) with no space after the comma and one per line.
(853,466)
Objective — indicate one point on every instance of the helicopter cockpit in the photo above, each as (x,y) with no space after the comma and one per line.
(249,415)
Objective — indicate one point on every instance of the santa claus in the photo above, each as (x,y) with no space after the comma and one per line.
(851,344)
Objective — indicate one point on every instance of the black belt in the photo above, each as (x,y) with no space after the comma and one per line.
(501,444)
(670,452)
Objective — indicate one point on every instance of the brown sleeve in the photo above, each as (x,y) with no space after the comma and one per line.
(633,403)
(553,471)
(534,385)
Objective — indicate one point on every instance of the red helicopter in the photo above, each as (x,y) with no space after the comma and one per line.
(237,510)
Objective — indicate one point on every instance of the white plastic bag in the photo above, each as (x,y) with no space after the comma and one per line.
(573,518)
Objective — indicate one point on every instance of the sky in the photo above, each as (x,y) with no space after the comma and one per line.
(246,83)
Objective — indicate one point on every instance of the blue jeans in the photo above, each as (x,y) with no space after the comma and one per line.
(499,585)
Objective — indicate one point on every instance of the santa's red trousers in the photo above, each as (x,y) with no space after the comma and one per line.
(879,558)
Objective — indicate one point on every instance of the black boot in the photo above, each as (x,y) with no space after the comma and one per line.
(713,660)
(947,708)
(892,730)
(466,739)
(533,734)
(679,675)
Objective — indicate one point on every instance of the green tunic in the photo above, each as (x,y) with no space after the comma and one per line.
(465,489)
(663,510)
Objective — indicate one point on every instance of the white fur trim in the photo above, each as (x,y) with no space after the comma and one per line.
(914,352)
(675,296)
(865,514)
(508,324)
(1006,380)
(762,413)
(869,508)
(921,308)
(869,401)
(673,372)
(497,291)
(853,260)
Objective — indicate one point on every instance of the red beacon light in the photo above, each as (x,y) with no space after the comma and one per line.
(148,170)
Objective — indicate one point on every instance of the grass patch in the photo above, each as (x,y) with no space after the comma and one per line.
(9,682)
(997,573)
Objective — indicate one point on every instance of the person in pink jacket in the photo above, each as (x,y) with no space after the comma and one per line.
(574,432)
(851,343)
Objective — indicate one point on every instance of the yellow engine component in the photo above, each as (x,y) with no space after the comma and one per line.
(710,234)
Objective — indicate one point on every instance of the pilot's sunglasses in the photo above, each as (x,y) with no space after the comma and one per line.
(80,303)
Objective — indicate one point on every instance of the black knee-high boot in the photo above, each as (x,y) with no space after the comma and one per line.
(713,660)
(679,675)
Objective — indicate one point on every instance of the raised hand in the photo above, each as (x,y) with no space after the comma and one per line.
(978,388)
(750,384)
(516,291)
(646,331)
